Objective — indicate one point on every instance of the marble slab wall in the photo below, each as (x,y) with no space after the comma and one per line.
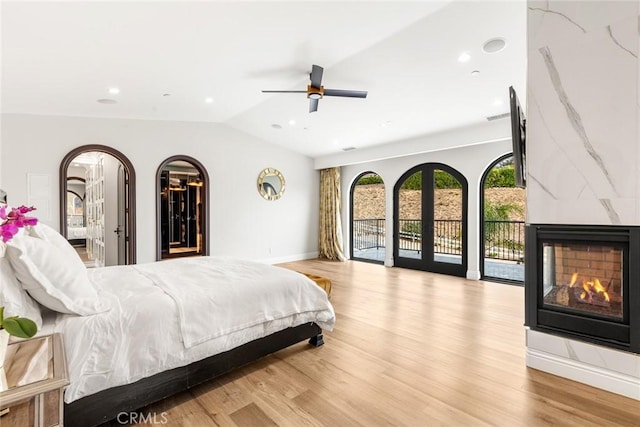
(583,112)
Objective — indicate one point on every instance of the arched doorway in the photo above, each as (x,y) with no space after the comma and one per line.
(502,223)
(109,203)
(367,229)
(430,220)
(182,208)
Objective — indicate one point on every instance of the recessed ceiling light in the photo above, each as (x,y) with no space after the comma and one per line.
(276,126)
(497,102)
(385,124)
(208,100)
(494,45)
(107,101)
(114,90)
(464,57)
(292,122)
(475,73)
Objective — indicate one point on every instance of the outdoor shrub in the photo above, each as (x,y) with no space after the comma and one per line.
(501,177)
(444,179)
(441,179)
(414,182)
(370,179)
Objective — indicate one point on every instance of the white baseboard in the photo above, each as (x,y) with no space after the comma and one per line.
(622,377)
(290,258)
(473,274)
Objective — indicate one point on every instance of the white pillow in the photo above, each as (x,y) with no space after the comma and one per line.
(13,298)
(48,234)
(52,277)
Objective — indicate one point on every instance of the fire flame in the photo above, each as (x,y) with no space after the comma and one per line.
(574,279)
(591,288)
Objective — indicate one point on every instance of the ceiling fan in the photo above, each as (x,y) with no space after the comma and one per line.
(315,91)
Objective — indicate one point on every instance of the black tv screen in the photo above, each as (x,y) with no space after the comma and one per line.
(518,138)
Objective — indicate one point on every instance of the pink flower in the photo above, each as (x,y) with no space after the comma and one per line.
(14,220)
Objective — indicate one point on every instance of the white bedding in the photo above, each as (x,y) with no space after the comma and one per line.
(76,232)
(152,311)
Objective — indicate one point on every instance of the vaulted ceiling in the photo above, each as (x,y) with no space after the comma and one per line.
(207,61)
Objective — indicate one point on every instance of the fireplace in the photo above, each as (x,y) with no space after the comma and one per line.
(584,282)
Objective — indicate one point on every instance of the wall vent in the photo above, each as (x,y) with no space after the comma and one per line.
(498,117)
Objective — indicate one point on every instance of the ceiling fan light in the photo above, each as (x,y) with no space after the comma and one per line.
(315,96)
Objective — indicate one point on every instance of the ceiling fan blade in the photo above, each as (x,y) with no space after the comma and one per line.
(284,91)
(313,105)
(316,76)
(347,93)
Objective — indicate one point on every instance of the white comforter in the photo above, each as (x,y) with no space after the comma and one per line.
(171,313)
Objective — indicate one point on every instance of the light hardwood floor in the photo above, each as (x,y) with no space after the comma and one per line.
(409,348)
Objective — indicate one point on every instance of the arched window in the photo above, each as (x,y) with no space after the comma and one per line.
(502,225)
(367,228)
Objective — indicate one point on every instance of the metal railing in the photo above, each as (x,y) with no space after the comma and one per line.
(368,233)
(447,236)
(503,239)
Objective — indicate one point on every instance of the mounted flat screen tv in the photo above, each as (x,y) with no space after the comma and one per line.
(518,138)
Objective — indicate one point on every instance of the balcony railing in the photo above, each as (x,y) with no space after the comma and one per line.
(503,239)
(368,233)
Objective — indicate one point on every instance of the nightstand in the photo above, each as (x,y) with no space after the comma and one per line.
(36,372)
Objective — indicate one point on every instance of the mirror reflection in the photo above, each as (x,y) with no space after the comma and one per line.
(76,221)
(182,192)
(96,209)
(271,184)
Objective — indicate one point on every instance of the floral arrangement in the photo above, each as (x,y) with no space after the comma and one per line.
(13,219)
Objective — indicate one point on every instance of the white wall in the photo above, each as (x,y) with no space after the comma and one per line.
(479,133)
(242,223)
(471,161)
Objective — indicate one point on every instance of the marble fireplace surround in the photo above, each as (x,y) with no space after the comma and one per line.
(583,153)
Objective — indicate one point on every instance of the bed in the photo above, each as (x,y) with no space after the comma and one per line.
(136,334)
(76,231)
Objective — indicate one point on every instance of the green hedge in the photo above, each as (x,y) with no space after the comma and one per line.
(498,177)
(370,179)
(442,180)
(414,182)
(501,177)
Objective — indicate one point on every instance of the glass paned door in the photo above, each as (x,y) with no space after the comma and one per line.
(430,220)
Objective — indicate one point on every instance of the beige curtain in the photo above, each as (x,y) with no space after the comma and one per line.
(330,237)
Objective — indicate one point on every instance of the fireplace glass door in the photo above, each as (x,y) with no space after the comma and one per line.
(584,278)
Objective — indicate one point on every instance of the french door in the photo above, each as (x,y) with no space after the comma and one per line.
(430,220)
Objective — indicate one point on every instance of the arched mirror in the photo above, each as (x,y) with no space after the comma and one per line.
(271,184)
(182,216)
(76,220)
(97,205)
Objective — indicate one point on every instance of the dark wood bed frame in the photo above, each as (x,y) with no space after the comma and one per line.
(106,405)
